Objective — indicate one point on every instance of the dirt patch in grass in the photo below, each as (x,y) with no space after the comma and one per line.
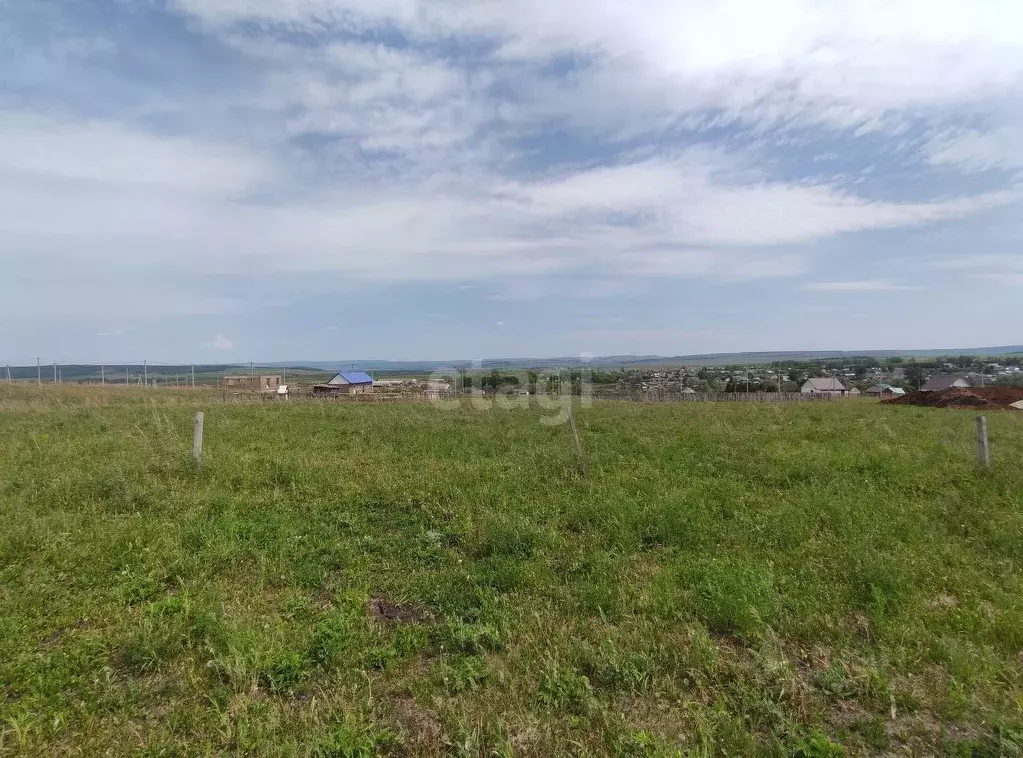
(53,638)
(423,728)
(386,611)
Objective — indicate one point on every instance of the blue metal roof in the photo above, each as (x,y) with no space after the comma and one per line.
(352,377)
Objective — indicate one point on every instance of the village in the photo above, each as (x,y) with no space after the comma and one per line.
(795,380)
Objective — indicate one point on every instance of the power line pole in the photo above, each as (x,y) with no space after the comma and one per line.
(55,372)
(145,374)
(102,374)
(39,372)
(9,380)
(193,377)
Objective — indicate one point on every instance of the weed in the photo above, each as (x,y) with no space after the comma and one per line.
(817,745)
(614,669)
(564,689)
(352,737)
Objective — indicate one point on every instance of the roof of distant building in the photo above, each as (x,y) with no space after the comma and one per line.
(351,377)
(826,384)
(943,381)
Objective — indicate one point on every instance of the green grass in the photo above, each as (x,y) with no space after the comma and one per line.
(808,579)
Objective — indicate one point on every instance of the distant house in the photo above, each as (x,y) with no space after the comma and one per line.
(940,382)
(436,389)
(346,383)
(688,391)
(826,386)
(264,383)
(884,390)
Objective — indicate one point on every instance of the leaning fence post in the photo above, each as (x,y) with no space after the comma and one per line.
(983,451)
(197,437)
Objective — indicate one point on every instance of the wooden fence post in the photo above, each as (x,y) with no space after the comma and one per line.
(983,451)
(578,442)
(197,437)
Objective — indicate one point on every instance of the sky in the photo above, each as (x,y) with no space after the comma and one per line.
(236,180)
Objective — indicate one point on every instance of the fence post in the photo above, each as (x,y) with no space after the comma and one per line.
(197,437)
(578,442)
(983,451)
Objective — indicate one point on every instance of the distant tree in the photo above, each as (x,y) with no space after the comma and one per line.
(914,375)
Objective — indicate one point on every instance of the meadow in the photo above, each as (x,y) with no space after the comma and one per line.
(807,579)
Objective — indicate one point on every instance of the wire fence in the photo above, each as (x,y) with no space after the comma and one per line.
(144,373)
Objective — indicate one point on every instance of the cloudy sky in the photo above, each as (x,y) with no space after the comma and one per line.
(234,180)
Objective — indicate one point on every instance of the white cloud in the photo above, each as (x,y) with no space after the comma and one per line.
(846,64)
(694,213)
(220,342)
(1005,278)
(970,149)
(536,148)
(37,148)
(697,199)
(865,285)
(974,261)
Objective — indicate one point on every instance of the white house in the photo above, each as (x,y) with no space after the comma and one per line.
(825,386)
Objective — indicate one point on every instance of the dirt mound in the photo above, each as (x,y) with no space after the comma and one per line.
(956,397)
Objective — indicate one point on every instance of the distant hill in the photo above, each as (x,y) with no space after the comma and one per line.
(118,372)
(705,359)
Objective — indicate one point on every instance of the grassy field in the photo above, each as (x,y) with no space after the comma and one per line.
(353,580)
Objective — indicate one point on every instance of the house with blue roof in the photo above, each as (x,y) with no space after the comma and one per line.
(346,383)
